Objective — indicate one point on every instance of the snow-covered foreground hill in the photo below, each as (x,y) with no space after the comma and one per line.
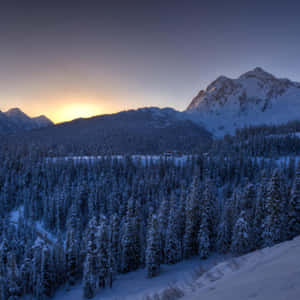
(268,274)
(135,285)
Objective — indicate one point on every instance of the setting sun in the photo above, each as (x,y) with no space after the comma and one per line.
(77,110)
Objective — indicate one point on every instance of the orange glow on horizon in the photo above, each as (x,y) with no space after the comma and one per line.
(71,111)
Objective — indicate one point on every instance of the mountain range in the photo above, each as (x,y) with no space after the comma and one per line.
(14,120)
(254,98)
(146,130)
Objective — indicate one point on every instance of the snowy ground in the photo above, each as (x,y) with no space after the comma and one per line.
(297,134)
(135,285)
(268,274)
(41,231)
(281,160)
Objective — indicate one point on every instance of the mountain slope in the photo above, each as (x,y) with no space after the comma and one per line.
(42,121)
(270,273)
(20,119)
(15,120)
(256,97)
(145,131)
(5,124)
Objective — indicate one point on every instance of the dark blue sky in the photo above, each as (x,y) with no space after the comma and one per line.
(58,57)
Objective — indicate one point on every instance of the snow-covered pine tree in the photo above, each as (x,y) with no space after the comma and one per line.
(13,283)
(89,280)
(223,237)
(114,252)
(190,243)
(128,258)
(293,209)
(241,236)
(59,261)
(209,212)
(163,213)
(72,258)
(102,252)
(3,288)
(172,244)
(153,248)
(4,250)
(272,223)
(90,271)
(26,275)
(46,282)
(203,238)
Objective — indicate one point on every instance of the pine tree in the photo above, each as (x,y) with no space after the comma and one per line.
(153,249)
(259,214)
(71,253)
(90,271)
(26,275)
(13,284)
(89,280)
(36,266)
(223,238)
(128,259)
(272,231)
(46,282)
(293,209)
(114,244)
(190,244)
(59,261)
(163,214)
(3,288)
(102,253)
(4,250)
(209,209)
(204,236)
(172,245)
(241,236)
(72,248)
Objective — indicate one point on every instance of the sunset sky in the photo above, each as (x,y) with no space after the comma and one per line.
(68,59)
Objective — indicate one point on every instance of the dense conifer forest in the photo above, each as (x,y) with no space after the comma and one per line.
(85,221)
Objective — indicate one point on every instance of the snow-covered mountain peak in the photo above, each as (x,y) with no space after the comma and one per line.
(257,73)
(255,97)
(16,113)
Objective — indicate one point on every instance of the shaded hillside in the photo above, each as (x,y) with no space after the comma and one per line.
(149,130)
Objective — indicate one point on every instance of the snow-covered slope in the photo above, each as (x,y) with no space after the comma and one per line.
(136,286)
(256,97)
(268,274)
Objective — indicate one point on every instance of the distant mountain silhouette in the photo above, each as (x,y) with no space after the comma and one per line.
(15,120)
(147,130)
